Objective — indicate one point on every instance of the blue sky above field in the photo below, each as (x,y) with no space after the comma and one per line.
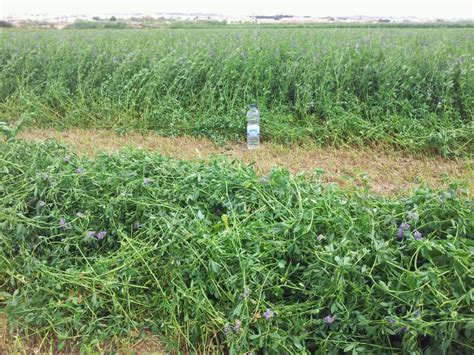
(418,8)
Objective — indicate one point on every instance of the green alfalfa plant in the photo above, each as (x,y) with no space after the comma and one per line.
(375,93)
(226,260)
(12,131)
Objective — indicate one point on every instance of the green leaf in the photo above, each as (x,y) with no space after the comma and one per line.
(214,266)
(238,310)
(5,295)
(349,347)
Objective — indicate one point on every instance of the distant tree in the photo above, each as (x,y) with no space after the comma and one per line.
(96,18)
(116,25)
(5,24)
(113,18)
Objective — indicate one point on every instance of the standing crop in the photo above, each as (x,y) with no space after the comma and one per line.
(409,88)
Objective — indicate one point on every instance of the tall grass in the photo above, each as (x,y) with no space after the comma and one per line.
(410,88)
(210,256)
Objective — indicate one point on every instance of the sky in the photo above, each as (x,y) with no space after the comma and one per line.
(420,8)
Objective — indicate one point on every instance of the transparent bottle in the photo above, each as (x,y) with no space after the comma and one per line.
(253,127)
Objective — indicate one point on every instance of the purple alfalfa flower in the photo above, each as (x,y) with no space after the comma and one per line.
(146,181)
(391,321)
(417,235)
(237,325)
(417,313)
(91,234)
(63,224)
(405,226)
(227,329)
(101,235)
(268,314)
(403,330)
(401,230)
(400,233)
(79,171)
(329,319)
(66,159)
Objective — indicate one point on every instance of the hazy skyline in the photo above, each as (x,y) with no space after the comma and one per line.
(419,8)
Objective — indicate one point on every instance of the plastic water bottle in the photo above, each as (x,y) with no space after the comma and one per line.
(253,127)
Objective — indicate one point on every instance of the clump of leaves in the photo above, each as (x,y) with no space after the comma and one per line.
(11,131)
(212,256)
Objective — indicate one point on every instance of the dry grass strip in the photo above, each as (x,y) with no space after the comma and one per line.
(389,172)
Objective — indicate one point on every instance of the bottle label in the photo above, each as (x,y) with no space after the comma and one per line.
(253,131)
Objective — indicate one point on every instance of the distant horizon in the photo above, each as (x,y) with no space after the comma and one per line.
(422,9)
(179,13)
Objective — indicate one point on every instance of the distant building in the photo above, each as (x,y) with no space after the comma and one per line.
(271,19)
